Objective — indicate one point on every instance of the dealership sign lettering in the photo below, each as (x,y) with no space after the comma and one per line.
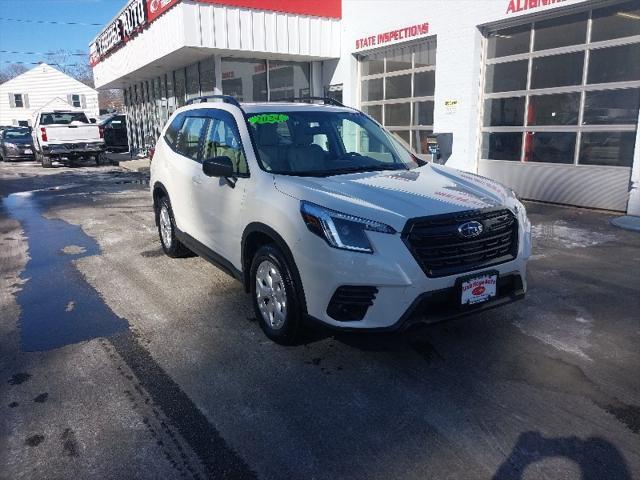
(393,35)
(130,21)
(136,16)
(516,6)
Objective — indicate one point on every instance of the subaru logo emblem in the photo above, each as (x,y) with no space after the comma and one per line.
(470,229)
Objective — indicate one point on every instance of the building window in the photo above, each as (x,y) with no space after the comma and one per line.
(193,81)
(75,101)
(18,100)
(207,77)
(397,88)
(334,92)
(261,80)
(564,90)
(180,87)
(288,80)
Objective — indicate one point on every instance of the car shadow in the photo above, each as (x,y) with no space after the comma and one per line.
(596,457)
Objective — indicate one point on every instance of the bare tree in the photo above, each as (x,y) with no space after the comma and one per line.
(111,100)
(11,71)
(75,64)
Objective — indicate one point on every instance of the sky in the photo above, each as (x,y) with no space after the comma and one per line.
(42,37)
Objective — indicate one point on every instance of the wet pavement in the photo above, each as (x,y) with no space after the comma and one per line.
(58,306)
(118,362)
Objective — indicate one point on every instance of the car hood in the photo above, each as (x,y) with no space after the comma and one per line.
(393,197)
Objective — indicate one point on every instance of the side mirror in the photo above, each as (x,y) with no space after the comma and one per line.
(218,167)
(92,120)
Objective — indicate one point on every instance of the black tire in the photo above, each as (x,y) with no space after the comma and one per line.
(46,161)
(291,330)
(173,248)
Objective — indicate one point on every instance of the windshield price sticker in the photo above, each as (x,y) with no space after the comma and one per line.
(268,118)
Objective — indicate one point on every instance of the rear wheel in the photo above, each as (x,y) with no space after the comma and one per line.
(275,296)
(46,161)
(173,247)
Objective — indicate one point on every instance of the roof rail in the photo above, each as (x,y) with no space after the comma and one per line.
(326,100)
(225,98)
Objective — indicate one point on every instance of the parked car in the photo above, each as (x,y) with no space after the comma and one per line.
(114,129)
(66,135)
(324,217)
(16,144)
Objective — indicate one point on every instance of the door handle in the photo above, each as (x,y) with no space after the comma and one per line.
(196,180)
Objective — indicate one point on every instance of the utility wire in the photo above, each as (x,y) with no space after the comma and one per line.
(51,22)
(46,53)
(38,63)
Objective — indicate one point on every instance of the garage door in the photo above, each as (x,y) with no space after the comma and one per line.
(560,109)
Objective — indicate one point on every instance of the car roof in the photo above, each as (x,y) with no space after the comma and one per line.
(261,107)
(265,107)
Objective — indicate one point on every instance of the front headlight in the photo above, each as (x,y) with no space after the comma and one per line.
(520,208)
(10,145)
(341,230)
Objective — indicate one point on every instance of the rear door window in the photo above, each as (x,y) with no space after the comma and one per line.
(188,141)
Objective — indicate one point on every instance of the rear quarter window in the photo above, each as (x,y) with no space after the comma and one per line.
(189,137)
(171,135)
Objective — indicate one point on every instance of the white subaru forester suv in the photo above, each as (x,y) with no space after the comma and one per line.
(324,216)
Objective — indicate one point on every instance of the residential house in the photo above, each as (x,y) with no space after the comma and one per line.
(26,93)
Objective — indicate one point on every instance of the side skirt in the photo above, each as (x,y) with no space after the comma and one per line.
(212,257)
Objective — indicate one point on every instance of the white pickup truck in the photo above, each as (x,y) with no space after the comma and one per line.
(67,136)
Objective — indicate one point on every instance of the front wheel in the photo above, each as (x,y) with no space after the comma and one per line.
(275,296)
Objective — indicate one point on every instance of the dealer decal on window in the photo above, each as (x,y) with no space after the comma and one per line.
(268,118)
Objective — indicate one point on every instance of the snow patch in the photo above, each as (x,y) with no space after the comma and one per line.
(570,237)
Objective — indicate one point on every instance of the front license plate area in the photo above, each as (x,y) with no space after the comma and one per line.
(28,152)
(478,288)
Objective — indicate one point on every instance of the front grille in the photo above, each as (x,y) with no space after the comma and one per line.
(441,250)
(350,303)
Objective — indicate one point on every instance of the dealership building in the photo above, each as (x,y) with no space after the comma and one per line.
(542,95)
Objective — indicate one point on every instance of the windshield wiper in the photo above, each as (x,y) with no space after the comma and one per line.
(363,168)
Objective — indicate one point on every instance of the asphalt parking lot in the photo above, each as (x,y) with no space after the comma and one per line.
(118,362)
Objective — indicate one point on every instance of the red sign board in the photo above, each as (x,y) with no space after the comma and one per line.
(314,8)
(138,14)
(155,8)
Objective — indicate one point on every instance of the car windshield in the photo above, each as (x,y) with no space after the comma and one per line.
(63,118)
(324,143)
(18,134)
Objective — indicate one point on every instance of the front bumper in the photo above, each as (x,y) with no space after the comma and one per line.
(15,157)
(441,305)
(405,294)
